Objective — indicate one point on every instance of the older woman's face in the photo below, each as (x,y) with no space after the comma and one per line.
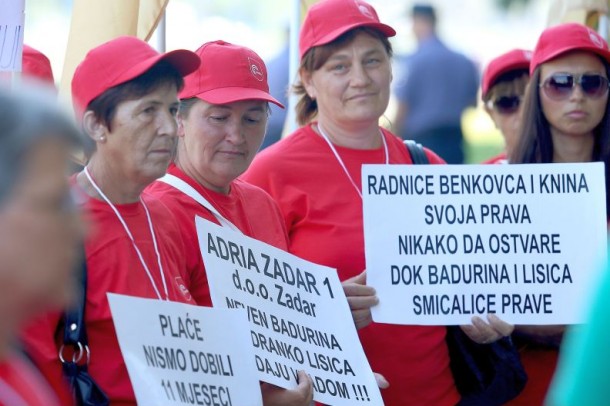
(218,142)
(143,137)
(40,234)
(354,83)
(576,114)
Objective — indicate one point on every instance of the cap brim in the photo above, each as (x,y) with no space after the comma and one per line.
(605,54)
(184,61)
(333,35)
(227,95)
(514,66)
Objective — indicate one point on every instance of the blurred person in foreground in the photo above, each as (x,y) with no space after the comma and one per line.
(40,234)
(125,96)
(36,69)
(565,119)
(224,108)
(582,371)
(502,90)
(314,175)
(439,84)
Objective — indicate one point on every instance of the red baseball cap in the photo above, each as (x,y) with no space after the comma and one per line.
(228,73)
(35,64)
(516,59)
(118,61)
(558,40)
(327,20)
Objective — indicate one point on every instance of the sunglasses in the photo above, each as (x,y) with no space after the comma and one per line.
(559,86)
(506,105)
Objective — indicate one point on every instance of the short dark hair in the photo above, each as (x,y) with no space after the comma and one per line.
(104,106)
(424,11)
(306,107)
(513,82)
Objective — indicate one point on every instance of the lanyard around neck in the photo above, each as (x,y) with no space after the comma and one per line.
(190,191)
(338,157)
(152,233)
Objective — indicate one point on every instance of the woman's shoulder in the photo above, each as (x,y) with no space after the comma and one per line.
(161,211)
(251,192)
(398,144)
(284,157)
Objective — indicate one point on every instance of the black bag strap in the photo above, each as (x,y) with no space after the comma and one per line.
(418,155)
(74,331)
(85,390)
(74,317)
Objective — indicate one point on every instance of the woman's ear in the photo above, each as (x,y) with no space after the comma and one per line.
(94,127)
(307,80)
(180,121)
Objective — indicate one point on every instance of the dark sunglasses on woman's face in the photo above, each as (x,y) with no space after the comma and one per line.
(506,105)
(559,86)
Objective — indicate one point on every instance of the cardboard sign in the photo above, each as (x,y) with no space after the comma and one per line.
(446,242)
(298,313)
(12,18)
(180,354)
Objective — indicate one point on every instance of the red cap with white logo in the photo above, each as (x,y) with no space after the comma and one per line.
(563,38)
(228,73)
(327,20)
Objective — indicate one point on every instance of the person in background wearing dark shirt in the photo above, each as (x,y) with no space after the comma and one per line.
(437,86)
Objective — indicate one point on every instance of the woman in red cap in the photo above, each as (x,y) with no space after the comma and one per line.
(565,119)
(224,108)
(125,95)
(502,89)
(314,175)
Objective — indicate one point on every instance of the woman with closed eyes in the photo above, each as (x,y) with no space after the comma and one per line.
(224,108)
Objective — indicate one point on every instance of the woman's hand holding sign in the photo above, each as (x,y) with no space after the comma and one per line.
(360,298)
(486,333)
(301,396)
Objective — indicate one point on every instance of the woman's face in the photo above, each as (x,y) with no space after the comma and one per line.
(143,137)
(219,141)
(40,235)
(353,85)
(575,114)
(507,120)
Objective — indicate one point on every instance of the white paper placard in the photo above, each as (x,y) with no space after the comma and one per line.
(446,242)
(12,18)
(180,354)
(298,313)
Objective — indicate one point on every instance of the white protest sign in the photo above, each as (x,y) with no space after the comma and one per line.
(12,18)
(446,242)
(298,313)
(180,354)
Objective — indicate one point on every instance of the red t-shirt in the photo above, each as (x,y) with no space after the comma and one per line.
(323,215)
(248,207)
(113,266)
(22,385)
